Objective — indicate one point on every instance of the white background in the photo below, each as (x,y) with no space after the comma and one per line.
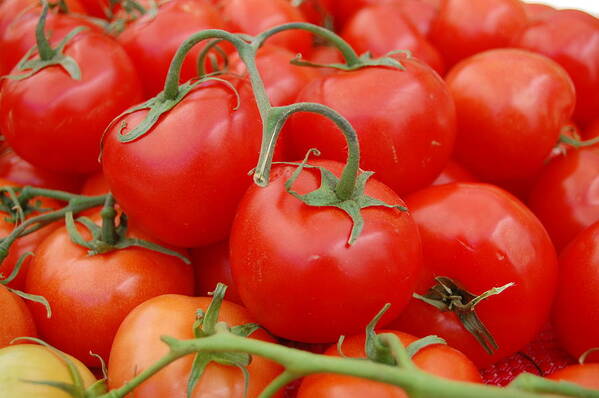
(590,6)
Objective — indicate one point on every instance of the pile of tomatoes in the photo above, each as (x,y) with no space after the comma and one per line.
(480,224)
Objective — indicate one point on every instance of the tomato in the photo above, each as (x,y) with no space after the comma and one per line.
(565,195)
(282,80)
(482,237)
(584,375)
(151,50)
(95,184)
(384,28)
(27,243)
(137,345)
(202,149)
(255,16)
(91,295)
(15,319)
(453,172)
(574,44)
(295,271)
(405,122)
(511,106)
(211,265)
(316,11)
(438,359)
(537,12)
(465,27)
(28,362)
(575,316)
(15,169)
(54,121)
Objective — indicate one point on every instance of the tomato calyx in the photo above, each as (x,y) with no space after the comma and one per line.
(576,143)
(109,237)
(582,359)
(448,295)
(206,325)
(48,56)
(365,60)
(77,388)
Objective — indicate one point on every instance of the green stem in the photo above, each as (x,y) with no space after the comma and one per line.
(399,352)
(532,383)
(577,143)
(108,215)
(43,45)
(351,58)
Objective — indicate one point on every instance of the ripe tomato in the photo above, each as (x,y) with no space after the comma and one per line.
(574,44)
(91,295)
(23,362)
(584,375)
(211,265)
(54,121)
(511,106)
(282,80)
(405,122)
(388,29)
(575,315)
(151,50)
(15,169)
(255,16)
(453,172)
(15,319)
(202,149)
(465,27)
(482,237)
(137,345)
(295,271)
(438,359)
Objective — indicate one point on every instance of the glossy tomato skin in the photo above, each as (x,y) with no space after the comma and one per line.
(298,276)
(91,295)
(440,360)
(464,27)
(482,237)
(282,80)
(381,29)
(510,105)
(152,51)
(15,318)
(211,265)
(454,172)
(405,122)
(14,168)
(55,122)
(586,375)
(195,159)
(16,365)
(574,44)
(565,196)
(137,345)
(575,316)
(255,16)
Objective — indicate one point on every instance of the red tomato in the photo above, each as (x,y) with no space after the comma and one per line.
(15,169)
(295,271)
(137,345)
(511,106)
(574,44)
(15,318)
(482,237)
(453,172)
(282,80)
(575,315)
(202,149)
(20,37)
(211,265)
(255,16)
(537,12)
(565,196)
(465,27)
(406,130)
(95,184)
(91,295)
(584,375)
(389,30)
(438,359)
(152,50)
(54,121)
(316,11)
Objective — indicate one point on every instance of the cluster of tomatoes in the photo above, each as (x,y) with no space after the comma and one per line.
(480,224)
